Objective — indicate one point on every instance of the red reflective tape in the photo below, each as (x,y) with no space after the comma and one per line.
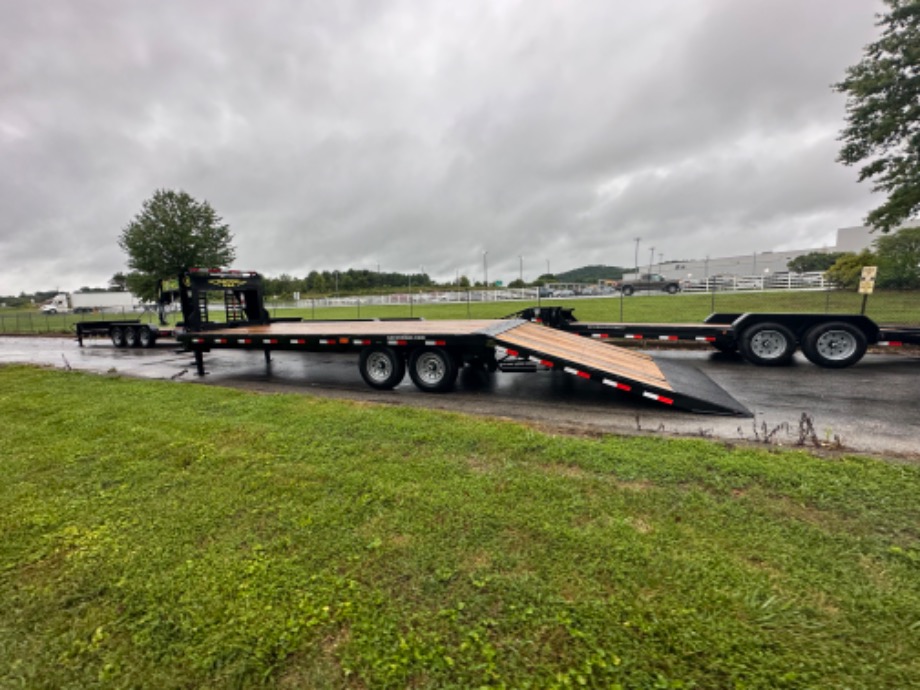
(634,336)
(220,341)
(600,335)
(440,343)
(617,384)
(658,398)
(359,341)
(243,341)
(298,341)
(198,340)
(577,372)
(667,337)
(890,343)
(513,353)
(269,341)
(326,341)
(397,342)
(706,338)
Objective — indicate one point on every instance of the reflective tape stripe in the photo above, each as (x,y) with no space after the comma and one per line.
(617,385)
(269,341)
(544,362)
(600,335)
(659,398)
(298,341)
(890,343)
(397,342)
(436,342)
(243,341)
(576,372)
(359,341)
(513,353)
(706,338)
(667,337)
(220,341)
(633,336)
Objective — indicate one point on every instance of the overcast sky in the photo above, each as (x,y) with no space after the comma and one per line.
(421,133)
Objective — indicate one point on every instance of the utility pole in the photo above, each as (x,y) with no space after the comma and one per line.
(637,256)
(521,273)
(485,268)
(651,258)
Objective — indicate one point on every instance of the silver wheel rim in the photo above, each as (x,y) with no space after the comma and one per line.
(836,345)
(130,337)
(144,337)
(768,344)
(430,368)
(379,367)
(118,337)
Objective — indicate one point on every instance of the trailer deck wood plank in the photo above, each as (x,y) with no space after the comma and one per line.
(574,348)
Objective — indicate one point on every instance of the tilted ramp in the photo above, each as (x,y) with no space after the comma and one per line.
(631,372)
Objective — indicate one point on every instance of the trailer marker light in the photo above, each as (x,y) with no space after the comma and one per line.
(440,343)
(343,341)
(890,343)
(667,337)
(633,336)
(617,385)
(659,398)
(544,362)
(706,338)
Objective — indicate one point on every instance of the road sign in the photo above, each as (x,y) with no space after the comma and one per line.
(867,280)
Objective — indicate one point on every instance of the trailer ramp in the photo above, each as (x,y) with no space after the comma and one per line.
(631,372)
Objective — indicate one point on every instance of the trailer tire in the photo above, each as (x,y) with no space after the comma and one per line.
(628,290)
(131,339)
(146,337)
(834,345)
(381,367)
(767,344)
(433,369)
(117,334)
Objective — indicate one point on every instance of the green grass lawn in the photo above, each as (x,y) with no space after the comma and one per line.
(164,535)
(888,307)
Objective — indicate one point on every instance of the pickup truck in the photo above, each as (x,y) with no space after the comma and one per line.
(648,281)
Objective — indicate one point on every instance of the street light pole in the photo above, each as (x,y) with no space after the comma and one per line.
(651,258)
(521,273)
(485,268)
(637,256)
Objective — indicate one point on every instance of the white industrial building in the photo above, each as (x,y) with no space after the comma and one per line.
(853,239)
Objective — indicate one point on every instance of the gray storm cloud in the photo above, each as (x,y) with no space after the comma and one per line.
(420,134)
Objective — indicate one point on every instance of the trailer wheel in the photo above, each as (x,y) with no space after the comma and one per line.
(628,290)
(117,334)
(146,337)
(432,369)
(381,367)
(767,344)
(834,345)
(131,339)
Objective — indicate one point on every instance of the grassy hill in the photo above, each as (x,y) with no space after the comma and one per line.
(591,274)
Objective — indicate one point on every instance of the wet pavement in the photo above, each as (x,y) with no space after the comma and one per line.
(870,408)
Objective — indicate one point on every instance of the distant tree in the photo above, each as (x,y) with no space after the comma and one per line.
(119,281)
(898,259)
(173,231)
(464,282)
(846,270)
(517,283)
(814,261)
(883,115)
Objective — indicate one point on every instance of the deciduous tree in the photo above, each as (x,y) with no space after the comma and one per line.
(173,231)
(883,115)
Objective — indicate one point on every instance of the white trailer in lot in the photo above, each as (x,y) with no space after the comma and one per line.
(87,302)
